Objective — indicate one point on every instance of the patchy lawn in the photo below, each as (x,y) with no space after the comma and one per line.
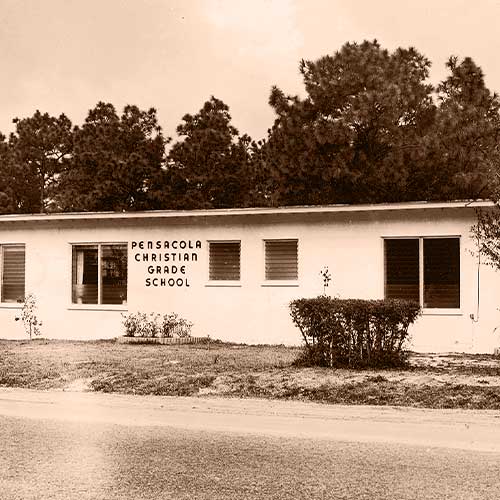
(433,381)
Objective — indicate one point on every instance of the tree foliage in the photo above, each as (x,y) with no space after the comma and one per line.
(116,159)
(352,138)
(487,233)
(465,136)
(210,167)
(371,129)
(7,191)
(38,151)
(470,116)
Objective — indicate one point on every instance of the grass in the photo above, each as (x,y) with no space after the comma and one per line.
(432,381)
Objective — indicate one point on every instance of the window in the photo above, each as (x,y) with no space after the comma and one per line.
(402,269)
(12,273)
(426,270)
(99,274)
(224,260)
(442,272)
(281,259)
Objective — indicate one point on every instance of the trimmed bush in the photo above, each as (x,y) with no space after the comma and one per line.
(353,332)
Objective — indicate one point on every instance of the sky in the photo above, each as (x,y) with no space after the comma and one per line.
(63,56)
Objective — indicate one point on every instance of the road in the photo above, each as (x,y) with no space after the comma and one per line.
(56,445)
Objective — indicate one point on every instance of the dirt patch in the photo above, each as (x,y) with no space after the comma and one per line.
(431,381)
(78,385)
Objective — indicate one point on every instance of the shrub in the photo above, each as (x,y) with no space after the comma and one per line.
(140,324)
(354,332)
(173,326)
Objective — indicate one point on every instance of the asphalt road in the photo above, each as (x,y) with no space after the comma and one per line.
(85,446)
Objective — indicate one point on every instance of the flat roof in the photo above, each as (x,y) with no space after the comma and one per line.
(228,212)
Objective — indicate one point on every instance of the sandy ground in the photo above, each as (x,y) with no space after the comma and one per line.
(434,370)
(459,429)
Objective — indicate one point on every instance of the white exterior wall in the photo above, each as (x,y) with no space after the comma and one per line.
(349,243)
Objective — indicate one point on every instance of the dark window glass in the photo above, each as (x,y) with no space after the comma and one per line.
(402,269)
(85,275)
(109,262)
(442,272)
(114,274)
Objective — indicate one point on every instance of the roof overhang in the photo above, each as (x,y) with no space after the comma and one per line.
(230,212)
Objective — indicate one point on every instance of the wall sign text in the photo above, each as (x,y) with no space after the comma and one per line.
(166,262)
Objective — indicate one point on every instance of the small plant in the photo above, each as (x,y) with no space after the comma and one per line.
(29,316)
(141,324)
(327,277)
(172,326)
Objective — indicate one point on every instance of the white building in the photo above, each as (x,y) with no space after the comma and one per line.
(234,272)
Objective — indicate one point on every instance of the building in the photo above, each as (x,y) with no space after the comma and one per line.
(234,272)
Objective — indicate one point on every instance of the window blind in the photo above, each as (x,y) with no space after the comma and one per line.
(13,273)
(281,259)
(224,260)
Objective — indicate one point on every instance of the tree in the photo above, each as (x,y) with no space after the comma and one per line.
(19,188)
(463,144)
(487,233)
(39,148)
(7,195)
(210,167)
(115,162)
(356,134)
(468,129)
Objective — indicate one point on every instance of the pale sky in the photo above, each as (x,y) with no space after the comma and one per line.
(66,55)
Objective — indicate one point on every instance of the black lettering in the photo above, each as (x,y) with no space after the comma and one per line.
(137,257)
(148,281)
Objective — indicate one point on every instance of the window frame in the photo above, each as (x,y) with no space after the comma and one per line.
(222,282)
(10,303)
(99,305)
(266,282)
(428,311)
